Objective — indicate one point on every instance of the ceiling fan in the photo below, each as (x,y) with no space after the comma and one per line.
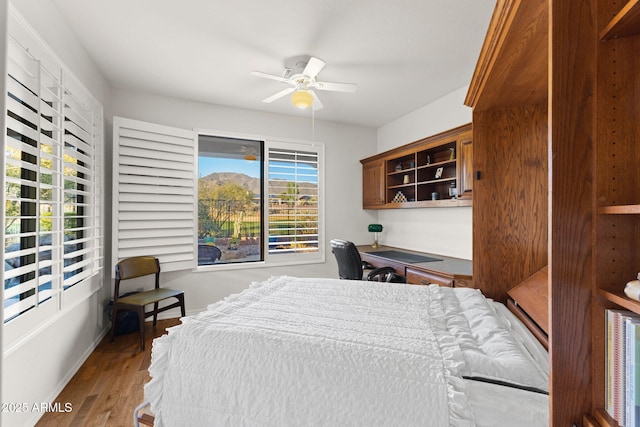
(301,74)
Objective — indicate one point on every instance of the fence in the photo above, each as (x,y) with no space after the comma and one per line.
(228,218)
(220,219)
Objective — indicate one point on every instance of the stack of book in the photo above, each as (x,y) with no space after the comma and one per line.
(623,367)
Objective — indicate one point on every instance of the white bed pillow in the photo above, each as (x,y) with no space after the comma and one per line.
(489,346)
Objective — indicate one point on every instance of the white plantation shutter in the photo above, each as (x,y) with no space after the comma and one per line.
(154,193)
(294,200)
(80,191)
(25,124)
(53,175)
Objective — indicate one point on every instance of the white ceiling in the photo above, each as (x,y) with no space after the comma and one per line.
(402,54)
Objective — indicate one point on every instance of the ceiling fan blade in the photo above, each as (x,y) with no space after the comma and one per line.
(313,67)
(317,105)
(338,87)
(269,76)
(279,95)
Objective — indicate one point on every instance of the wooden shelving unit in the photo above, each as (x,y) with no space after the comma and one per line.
(616,177)
(408,176)
(553,92)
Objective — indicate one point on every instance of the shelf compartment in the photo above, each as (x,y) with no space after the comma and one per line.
(625,23)
(441,154)
(398,179)
(409,192)
(440,186)
(447,170)
(402,164)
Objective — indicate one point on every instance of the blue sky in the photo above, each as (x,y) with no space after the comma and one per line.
(208,165)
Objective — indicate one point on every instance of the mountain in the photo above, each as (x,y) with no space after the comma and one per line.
(241,179)
(253,184)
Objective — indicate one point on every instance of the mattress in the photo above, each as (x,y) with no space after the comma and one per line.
(299,351)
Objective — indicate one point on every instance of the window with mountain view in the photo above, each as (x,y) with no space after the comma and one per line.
(257,201)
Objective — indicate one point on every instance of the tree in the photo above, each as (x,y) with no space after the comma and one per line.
(217,204)
(291,192)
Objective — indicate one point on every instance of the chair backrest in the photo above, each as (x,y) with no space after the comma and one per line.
(348,257)
(130,268)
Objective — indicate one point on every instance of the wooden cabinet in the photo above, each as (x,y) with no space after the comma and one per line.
(425,173)
(373,184)
(555,140)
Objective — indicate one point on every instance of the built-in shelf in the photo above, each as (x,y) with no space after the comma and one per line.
(625,23)
(619,210)
(620,299)
(431,172)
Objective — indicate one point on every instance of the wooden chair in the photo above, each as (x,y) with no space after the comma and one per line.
(130,268)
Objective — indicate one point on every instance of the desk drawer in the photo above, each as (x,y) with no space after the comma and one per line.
(422,277)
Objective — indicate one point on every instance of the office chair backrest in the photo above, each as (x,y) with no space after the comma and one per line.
(348,257)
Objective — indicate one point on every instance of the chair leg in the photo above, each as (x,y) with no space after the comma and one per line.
(112,332)
(155,314)
(181,299)
(141,325)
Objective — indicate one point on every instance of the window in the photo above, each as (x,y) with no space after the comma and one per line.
(230,176)
(233,225)
(246,201)
(52,175)
(293,201)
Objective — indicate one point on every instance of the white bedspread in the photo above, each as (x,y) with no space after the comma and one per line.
(312,352)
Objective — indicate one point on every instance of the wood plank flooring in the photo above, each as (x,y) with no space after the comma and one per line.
(109,385)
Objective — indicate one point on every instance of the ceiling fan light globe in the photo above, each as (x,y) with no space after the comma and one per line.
(302,99)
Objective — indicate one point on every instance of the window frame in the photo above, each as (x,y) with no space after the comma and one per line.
(273,260)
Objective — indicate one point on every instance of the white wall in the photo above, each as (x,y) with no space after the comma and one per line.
(344,146)
(445,231)
(38,369)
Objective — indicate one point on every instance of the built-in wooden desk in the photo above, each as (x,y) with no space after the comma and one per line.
(445,271)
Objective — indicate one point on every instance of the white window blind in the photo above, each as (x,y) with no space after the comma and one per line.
(52,167)
(294,194)
(154,193)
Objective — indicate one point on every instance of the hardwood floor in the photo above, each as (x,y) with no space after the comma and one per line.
(109,385)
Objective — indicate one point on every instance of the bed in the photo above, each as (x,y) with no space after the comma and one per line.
(325,352)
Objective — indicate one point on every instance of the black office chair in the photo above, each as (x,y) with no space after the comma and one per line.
(351,266)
